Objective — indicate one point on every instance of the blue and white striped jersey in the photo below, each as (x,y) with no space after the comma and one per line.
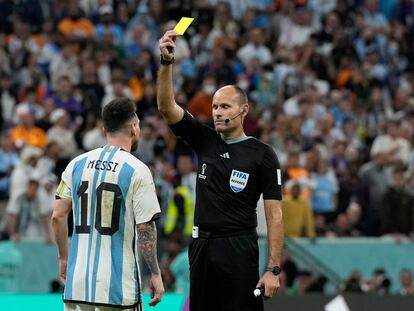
(111,192)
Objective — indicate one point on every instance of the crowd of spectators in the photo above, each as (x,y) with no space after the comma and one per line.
(330,86)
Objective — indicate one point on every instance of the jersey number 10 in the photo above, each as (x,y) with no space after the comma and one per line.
(115,206)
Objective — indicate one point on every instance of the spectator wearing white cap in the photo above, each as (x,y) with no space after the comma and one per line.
(20,175)
(61,134)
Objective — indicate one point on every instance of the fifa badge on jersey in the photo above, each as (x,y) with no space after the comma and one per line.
(238,180)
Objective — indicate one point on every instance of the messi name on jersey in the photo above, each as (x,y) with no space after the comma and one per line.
(103,165)
(238,180)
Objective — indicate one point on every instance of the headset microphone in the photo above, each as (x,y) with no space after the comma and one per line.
(228,120)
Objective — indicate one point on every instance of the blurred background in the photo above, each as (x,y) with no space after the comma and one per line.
(331,89)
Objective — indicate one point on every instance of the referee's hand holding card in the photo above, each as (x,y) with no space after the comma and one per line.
(167,46)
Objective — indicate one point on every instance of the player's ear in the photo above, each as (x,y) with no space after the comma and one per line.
(245,110)
(104,131)
(135,128)
(132,129)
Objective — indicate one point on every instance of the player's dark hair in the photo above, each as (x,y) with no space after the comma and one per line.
(117,114)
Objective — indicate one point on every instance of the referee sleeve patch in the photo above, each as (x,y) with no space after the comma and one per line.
(279,177)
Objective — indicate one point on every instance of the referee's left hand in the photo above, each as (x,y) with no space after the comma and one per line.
(270,283)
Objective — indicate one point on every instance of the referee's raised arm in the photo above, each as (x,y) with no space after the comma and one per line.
(167,106)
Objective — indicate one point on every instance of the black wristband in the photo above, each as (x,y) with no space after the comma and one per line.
(275,270)
(165,62)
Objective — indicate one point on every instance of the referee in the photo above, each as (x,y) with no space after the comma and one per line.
(233,171)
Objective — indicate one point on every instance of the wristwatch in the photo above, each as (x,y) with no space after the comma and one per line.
(275,270)
(163,61)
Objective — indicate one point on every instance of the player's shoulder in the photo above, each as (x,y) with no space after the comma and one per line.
(91,154)
(83,156)
(140,168)
(131,159)
(141,172)
(76,164)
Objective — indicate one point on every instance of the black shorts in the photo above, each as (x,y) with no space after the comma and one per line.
(223,273)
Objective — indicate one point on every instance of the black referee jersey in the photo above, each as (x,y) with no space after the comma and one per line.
(231,176)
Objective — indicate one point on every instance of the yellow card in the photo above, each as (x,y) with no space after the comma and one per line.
(183,24)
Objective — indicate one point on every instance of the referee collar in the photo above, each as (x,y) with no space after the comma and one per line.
(235,140)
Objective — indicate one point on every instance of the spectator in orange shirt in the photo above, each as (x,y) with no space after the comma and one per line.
(25,133)
(75,26)
(200,104)
(295,172)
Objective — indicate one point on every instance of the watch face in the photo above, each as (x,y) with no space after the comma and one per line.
(276,270)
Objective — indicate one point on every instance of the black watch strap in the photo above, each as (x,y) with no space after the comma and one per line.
(163,61)
(275,270)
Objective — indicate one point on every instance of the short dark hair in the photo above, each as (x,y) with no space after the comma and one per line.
(242,94)
(117,114)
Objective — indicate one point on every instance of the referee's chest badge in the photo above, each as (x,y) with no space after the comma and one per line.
(238,180)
